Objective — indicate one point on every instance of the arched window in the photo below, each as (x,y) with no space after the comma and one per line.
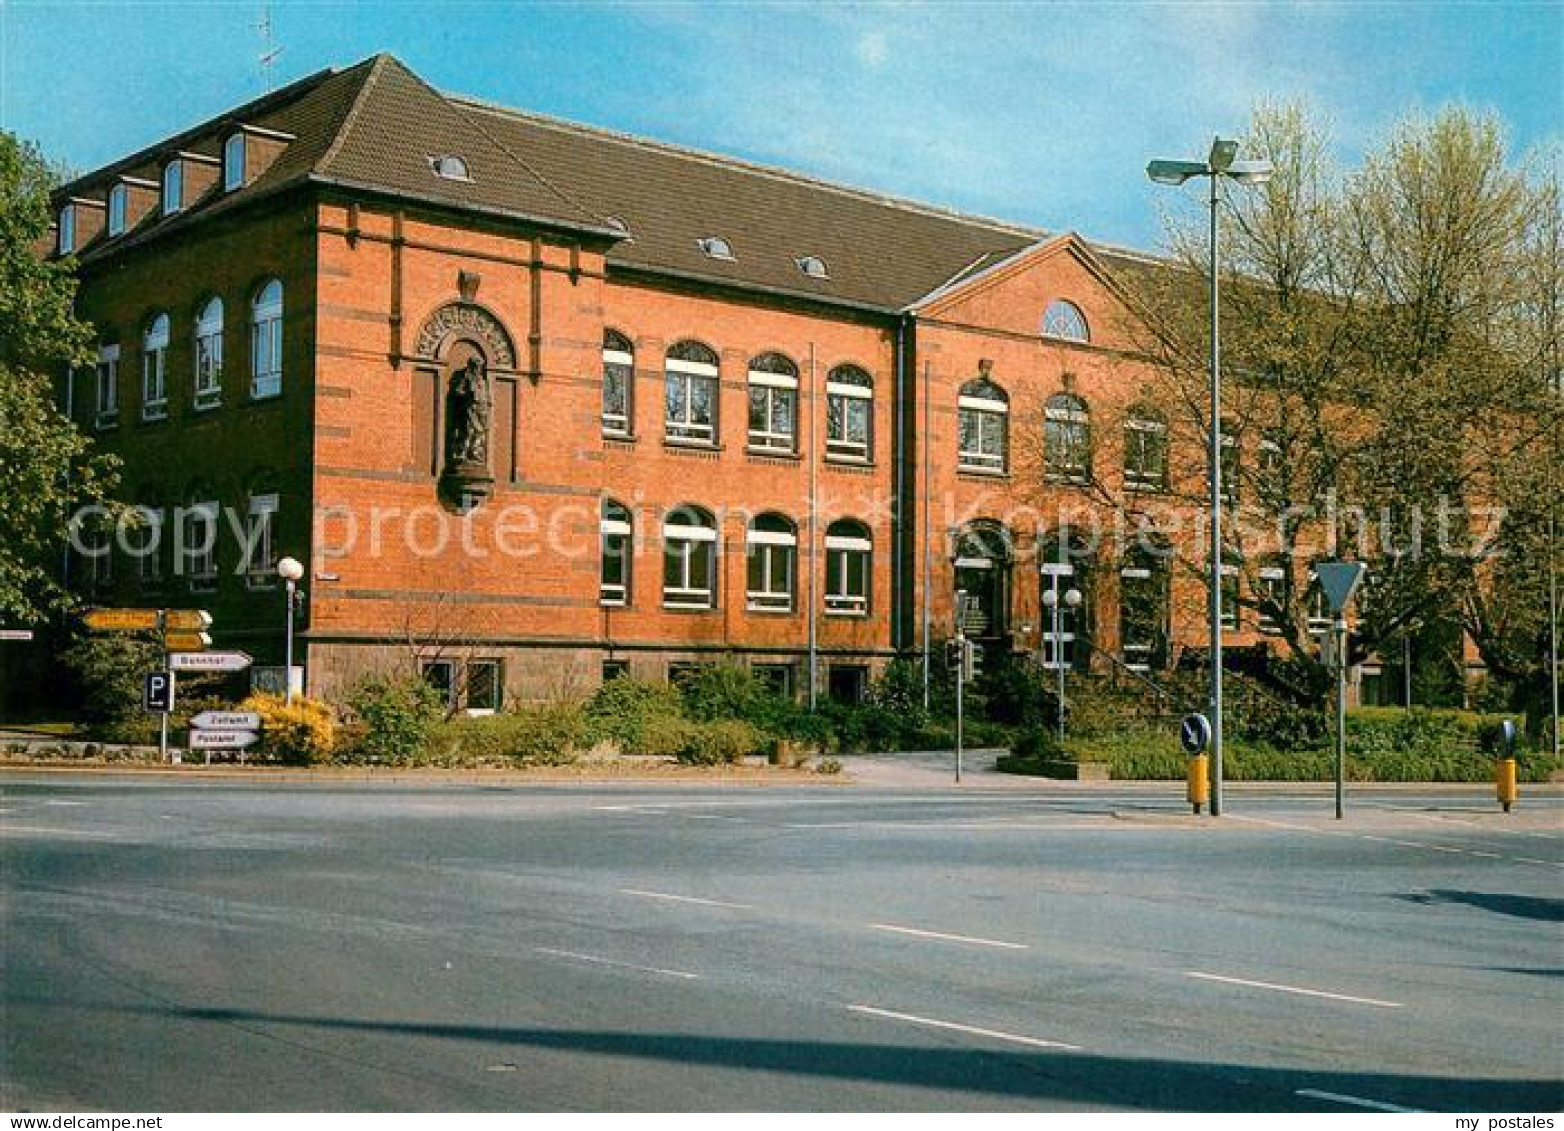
(173,187)
(618,541)
(849,414)
(618,383)
(117,196)
(209,354)
(848,559)
(1063,319)
(984,417)
(1145,450)
(689,559)
(154,369)
(1065,564)
(771,552)
(984,552)
(691,394)
(773,403)
(266,341)
(1144,605)
(233,162)
(1067,438)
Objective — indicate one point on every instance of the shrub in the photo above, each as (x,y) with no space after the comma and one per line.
(301,734)
(395,716)
(724,691)
(828,766)
(899,691)
(108,670)
(721,742)
(546,735)
(621,710)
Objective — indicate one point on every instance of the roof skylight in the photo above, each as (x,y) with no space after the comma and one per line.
(813,266)
(450,166)
(716,247)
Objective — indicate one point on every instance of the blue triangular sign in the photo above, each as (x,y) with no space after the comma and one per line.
(1339,580)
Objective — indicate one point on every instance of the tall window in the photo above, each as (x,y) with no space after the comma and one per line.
(65,235)
(771,551)
(1144,606)
(209,354)
(198,547)
(773,403)
(107,414)
(848,555)
(1269,468)
(154,369)
(260,539)
(117,210)
(147,546)
(1063,319)
(691,370)
(689,559)
(1272,594)
(849,414)
(173,187)
(618,381)
(97,558)
(1067,438)
(266,341)
(984,410)
(616,536)
(1230,594)
(1145,451)
(1231,460)
(984,555)
(233,162)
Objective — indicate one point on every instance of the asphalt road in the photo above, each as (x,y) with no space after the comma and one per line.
(200,945)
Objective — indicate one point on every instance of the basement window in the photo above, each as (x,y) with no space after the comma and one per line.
(715,247)
(451,167)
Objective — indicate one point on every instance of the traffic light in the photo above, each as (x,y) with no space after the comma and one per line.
(972,662)
(955,656)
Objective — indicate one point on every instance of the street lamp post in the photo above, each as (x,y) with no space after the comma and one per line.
(1057,603)
(290,570)
(1220,163)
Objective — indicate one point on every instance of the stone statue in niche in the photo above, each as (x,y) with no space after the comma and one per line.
(469,408)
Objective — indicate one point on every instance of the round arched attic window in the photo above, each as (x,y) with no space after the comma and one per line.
(450,166)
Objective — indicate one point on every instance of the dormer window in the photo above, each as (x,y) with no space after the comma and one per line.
(117,210)
(813,266)
(715,247)
(233,162)
(450,167)
(618,225)
(173,187)
(66,235)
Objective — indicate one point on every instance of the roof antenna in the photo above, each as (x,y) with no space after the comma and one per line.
(269,52)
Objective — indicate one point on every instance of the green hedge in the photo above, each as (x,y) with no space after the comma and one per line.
(548,735)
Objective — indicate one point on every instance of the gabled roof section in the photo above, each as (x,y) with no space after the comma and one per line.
(996,272)
(883,252)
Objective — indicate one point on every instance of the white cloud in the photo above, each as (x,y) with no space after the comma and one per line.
(872,49)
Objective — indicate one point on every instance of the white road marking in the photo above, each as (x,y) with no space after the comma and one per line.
(1354,1101)
(718,817)
(942,936)
(1424,846)
(65,803)
(52,830)
(1291,989)
(600,961)
(992,1034)
(685,899)
(962,826)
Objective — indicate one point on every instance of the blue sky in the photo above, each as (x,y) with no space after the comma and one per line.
(1044,113)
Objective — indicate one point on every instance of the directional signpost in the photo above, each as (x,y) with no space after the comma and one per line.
(184,634)
(123,620)
(1339,581)
(224,730)
(186,641)
(20,634)
(209,661)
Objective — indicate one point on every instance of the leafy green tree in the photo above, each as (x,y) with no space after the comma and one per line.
(48,468)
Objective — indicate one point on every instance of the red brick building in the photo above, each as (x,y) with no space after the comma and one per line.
(717,411)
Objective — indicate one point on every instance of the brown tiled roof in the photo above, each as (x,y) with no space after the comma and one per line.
(375,126)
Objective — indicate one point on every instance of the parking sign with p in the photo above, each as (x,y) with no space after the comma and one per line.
(157,692)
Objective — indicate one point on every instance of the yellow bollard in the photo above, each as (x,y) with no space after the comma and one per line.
(1504,779)
(1199,780)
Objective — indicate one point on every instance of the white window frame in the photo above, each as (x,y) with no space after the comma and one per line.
(849,400)
(614,594)
(1077,417)
(773,387)
(209,355)
(262,521)
(65,237)
(688,430)
(1231,621)
(1135,477)
(452,685)
(499,686)
(985,412)
(770,546)
(1273,585)
(617,424)
(842,601)
(173,187)
(199,563)
(234,167)
(688,538)
(107,386)
(154,369)
(266,342)
(1232,452)
(118,204)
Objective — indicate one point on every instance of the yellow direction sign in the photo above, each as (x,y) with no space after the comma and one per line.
(121,620)
(187,641)
(186,620)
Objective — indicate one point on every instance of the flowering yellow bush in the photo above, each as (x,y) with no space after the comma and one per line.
(302,734)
